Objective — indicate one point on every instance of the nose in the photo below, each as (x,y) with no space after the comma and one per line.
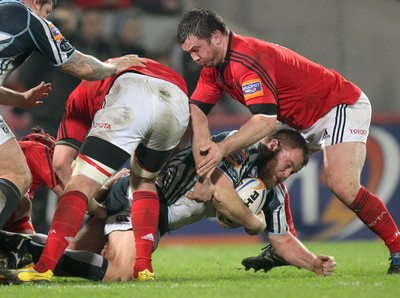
(195,57)
(286,173)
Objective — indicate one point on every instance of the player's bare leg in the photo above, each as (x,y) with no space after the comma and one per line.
(15,178)
(120,252)
(343,164)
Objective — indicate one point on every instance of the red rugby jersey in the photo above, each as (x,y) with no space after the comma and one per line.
(40,162)
(259,72)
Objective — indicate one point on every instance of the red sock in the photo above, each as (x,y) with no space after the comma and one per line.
(373,213)
(66,222)
(144,216)
(289,217)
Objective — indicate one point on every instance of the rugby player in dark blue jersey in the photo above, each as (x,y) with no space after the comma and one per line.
(266,159)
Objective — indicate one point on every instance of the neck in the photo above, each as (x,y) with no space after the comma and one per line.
(225,45)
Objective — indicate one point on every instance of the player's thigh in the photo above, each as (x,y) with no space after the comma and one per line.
(171,117)
(142,109)
(13,165)
(64,154)
(170,120)
(63,158)
(120,252)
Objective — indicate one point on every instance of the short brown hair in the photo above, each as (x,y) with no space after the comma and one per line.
(201,23)
(293,140)
(53,3)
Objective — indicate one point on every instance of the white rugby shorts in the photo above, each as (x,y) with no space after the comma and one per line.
(122,222)
(344,123)
(142,109)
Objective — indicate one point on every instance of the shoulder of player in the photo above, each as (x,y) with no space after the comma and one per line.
(17,13)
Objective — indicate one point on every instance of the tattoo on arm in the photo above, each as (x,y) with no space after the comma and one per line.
(87,67)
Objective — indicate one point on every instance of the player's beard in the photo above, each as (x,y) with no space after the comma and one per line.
(267,167)
(213,58)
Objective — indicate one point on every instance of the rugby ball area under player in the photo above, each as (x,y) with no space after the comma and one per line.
(253,193)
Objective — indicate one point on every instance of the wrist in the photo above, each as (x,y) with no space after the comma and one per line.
(314,266)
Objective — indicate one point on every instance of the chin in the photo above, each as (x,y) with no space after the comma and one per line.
(270,184)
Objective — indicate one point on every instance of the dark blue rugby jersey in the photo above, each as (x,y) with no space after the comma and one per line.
(22,32)
(179,175)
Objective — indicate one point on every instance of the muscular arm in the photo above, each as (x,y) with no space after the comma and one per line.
(227,201)
(294,252)
(255,129)
(89,68)
(201,135)
(200,132)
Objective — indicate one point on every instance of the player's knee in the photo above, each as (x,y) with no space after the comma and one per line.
(22,179)
(62,169)
(24,206)
(142,183)
(345,191)
(26,182)
(57,165)
(9,197)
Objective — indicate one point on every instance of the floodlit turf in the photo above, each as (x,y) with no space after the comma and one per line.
(215,271)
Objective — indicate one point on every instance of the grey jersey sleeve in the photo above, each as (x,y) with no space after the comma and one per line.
(22,31)
(274,210)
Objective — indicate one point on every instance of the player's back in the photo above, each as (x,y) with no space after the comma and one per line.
(14,48)
(21,32)
(157,70)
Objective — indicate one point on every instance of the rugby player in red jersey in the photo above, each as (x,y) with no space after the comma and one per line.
(143,116)
(283,89)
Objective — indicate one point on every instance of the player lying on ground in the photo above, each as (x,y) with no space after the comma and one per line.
(268,159)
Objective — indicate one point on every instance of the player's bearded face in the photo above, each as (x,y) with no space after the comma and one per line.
(267,171)
(278,165)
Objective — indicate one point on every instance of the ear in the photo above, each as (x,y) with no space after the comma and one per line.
(36,5)
(217,37)
(273,145)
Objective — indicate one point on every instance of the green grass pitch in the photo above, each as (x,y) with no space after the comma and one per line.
(215,271)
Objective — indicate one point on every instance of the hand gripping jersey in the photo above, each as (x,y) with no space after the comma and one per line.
(21,32)
(262,73)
